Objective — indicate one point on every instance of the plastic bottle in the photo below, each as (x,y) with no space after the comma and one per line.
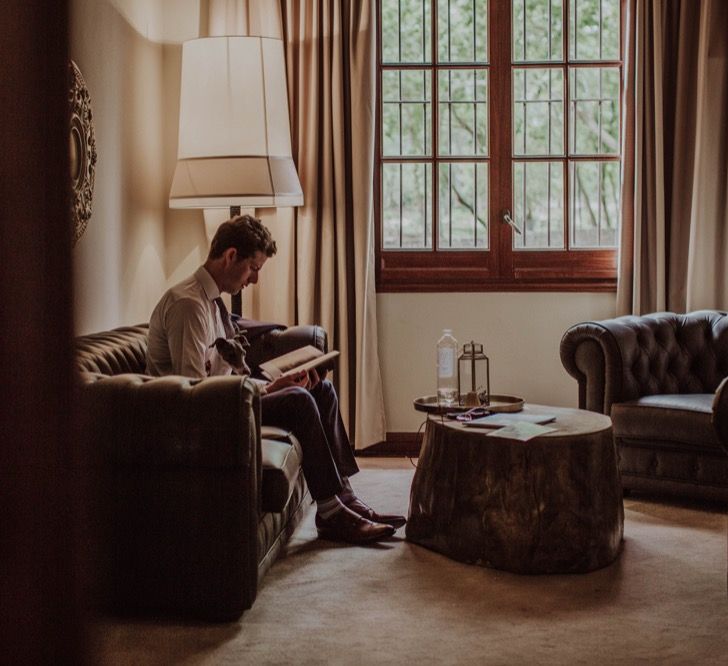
(447,358)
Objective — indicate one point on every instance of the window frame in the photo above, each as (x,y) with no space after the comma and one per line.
(501,267)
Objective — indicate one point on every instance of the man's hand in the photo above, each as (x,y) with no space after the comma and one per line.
(299,379)
(313,379)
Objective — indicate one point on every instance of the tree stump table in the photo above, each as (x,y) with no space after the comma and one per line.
(552,504)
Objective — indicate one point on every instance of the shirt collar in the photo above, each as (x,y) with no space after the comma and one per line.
(208,283)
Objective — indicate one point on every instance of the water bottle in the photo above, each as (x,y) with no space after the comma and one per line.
(447,358)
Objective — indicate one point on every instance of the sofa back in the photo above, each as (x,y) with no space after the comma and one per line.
(123,350)
(671,353)
(114,352)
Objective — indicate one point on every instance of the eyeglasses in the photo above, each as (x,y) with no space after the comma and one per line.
(474,413)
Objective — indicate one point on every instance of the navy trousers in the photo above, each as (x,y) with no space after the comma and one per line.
(314,418)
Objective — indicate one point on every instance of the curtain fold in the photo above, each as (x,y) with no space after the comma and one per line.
(330,54)
(674,216)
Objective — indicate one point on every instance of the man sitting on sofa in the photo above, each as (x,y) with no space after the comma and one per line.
(183,330)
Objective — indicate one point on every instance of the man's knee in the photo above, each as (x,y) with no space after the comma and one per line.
(326,388)
(300,399)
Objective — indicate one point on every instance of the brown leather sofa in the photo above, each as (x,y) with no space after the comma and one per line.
(720,413)
(657,376)
(197,499)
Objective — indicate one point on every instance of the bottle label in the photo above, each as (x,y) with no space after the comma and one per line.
(445,362)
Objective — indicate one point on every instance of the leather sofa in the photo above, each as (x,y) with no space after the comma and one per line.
(657,375)
(720,413)
(197,499)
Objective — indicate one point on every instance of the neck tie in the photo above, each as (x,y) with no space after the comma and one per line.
(225,316)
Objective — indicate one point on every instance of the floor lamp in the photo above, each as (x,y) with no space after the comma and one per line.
(234,147)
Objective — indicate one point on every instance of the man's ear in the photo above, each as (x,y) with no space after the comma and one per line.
(230,256)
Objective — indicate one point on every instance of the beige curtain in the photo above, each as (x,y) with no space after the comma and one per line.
(674,245)
(330,50)
(324,271)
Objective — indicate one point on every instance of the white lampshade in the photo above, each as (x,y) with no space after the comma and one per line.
(234,137)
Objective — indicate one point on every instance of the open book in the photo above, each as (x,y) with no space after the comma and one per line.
(303,358)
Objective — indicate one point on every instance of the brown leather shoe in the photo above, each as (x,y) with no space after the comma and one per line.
(365,511)
(345,525)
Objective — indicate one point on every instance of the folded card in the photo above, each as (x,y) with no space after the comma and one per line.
(500,420)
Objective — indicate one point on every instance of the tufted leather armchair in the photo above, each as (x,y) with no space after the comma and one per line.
(197,499)
(657,376)
(720,413)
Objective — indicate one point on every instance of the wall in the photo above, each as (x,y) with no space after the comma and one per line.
(118,261)
(520,332)
(128,52)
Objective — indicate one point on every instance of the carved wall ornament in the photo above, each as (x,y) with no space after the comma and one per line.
(82,152)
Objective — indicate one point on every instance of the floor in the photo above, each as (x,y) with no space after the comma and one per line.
(662,602)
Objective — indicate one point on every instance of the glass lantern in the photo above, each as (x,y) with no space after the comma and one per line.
(473,367)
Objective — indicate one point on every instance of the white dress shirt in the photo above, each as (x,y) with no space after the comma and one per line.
(183,327)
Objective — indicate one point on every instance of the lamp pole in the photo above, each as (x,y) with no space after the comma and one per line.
(236,300)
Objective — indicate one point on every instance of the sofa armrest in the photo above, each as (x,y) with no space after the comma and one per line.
(720,413)
(279,341)
(591,354)
(173,421)
(180,491)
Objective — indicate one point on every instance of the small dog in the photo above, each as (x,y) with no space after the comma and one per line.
(233,351)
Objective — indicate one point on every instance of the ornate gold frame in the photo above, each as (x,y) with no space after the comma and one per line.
(82,147)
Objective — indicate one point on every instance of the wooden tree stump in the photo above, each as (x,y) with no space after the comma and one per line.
(549,505)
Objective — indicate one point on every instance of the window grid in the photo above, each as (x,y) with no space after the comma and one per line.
(475,199)
(549,40)
(571,155)
(524,103)
(522,55)
(569,160)
(449,195)
(401,199)
(435,153)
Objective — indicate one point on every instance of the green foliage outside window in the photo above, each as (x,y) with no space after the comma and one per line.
(557,112)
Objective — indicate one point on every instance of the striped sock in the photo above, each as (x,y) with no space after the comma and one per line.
(329,506)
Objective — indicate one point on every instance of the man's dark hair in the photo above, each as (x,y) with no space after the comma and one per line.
(247,234)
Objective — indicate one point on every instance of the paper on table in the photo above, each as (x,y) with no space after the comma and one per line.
(521,431)
(497,420)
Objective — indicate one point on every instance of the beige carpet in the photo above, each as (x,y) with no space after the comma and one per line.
(663,602)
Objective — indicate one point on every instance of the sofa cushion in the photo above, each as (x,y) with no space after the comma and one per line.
(681,418)
(282,456)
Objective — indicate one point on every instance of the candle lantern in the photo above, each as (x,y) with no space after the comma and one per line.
(473,366)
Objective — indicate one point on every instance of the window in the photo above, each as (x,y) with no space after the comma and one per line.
(499,144)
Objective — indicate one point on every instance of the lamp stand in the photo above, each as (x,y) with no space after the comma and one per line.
(236,300)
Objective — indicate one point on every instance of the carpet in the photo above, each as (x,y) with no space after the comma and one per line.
(662,602)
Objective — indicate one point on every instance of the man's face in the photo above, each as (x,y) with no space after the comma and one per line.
(242,272)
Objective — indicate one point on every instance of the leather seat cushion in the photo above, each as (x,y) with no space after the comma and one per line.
(681,418)
(282,456)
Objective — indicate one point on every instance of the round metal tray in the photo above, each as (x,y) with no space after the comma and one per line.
(498,403)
